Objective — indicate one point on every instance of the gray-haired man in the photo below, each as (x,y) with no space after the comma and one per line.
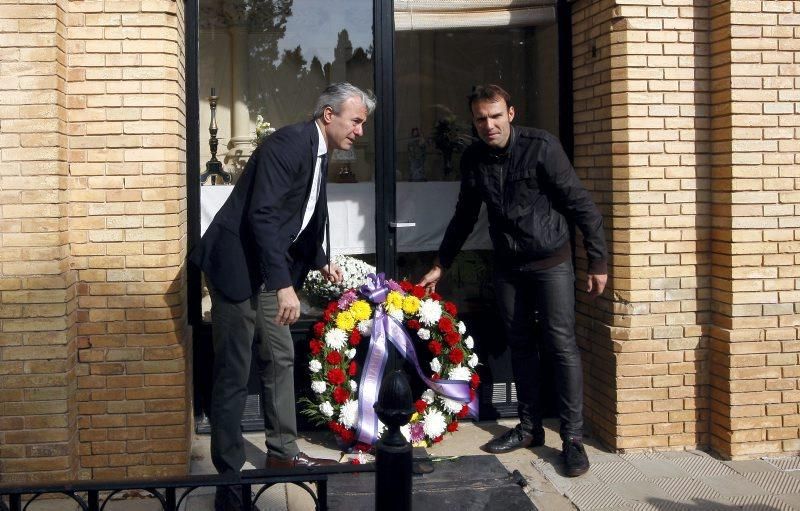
(257,250)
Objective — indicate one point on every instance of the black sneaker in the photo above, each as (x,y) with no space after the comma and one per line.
(513,439)
(576,462)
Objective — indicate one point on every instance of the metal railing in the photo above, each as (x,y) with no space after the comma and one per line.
(392,469)
(172,492)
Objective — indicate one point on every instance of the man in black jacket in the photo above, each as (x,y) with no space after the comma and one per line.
(531,193)
(257,250)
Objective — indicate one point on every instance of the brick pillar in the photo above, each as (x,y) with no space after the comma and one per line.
(37,291)
(128,235)
(641,89)
(756,235)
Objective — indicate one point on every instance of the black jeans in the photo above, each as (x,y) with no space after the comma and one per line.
(550,294)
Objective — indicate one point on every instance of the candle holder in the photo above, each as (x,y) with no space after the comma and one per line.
(214,167)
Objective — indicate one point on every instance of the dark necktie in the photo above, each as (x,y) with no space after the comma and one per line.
(323,196)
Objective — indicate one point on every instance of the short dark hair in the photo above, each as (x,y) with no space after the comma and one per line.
(490,92)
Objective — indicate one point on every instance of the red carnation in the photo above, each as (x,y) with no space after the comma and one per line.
(315,346)
(413,324)
(418,291)
(445,325)
(355,461)
(472,394)
(319,329)
(352,369)
(450,307)
(475,380)
(347,436)
(334,358)
(420,405)
(453,426)
(327,315)
(332,306)
(406,285)
(340,395)
(436,296)
(336,376)
(456,356)
(362,447)
(436,377)
(355,337)
(437,439)
(334,426)
(452,338)
(435,347)
(463,412)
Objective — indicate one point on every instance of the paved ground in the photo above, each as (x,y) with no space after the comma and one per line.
(668,481)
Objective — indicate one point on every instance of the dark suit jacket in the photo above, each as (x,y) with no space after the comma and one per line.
(253,239)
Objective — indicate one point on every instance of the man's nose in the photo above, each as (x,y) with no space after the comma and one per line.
(359,130)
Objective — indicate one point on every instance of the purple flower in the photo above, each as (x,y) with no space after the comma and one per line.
(394,286)
(417,432)
(346,299)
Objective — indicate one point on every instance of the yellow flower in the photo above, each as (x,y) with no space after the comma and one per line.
(394,300)
(360,310)
(410,304)
(414,418)
(345,321)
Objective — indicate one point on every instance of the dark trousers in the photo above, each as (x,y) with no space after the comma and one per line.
(550,294)
(233,327)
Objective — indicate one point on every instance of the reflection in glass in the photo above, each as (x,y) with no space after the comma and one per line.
(268,61)
(436,70)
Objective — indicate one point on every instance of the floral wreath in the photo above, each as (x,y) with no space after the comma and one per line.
(415,322)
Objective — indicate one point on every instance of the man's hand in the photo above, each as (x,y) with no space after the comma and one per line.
(334,274)
(596,284)
(431,278)
(288,306)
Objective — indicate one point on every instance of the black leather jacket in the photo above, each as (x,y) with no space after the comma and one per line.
(530,190)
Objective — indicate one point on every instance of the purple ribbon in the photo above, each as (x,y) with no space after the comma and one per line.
(385,327)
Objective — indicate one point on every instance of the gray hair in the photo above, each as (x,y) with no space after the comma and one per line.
(336,94)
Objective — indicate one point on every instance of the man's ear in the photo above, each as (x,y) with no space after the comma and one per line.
(327,115)
(510,113)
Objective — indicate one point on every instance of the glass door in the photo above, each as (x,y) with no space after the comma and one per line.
(442,52)
(437,66)
(261,66)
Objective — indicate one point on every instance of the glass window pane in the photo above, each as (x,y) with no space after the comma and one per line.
(436,70)
(268,61)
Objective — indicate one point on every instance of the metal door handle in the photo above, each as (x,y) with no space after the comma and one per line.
(402,224)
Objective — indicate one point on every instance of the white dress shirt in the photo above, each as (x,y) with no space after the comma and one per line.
(316,180)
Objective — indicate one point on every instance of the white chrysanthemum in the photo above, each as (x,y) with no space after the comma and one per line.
(381,427)
(318,386)
(469,342)
(396,314)
(365,327)
(434,423)
(473,360)
(462,328)
(451,405)
(353,386)
(430,311)
(424,334)
(428,396)
(336,338)
(406,431)
(314,366)
(348,413)
(350,353)
(459,373)
(327,409)
(436,366)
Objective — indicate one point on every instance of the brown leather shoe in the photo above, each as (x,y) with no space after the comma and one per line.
(299,460)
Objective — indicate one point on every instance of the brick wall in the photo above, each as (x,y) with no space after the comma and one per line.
(37,285)
(94,339)
(646,115)
(756,235)
(694,110)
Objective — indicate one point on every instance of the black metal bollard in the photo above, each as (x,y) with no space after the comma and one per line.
(393,451)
